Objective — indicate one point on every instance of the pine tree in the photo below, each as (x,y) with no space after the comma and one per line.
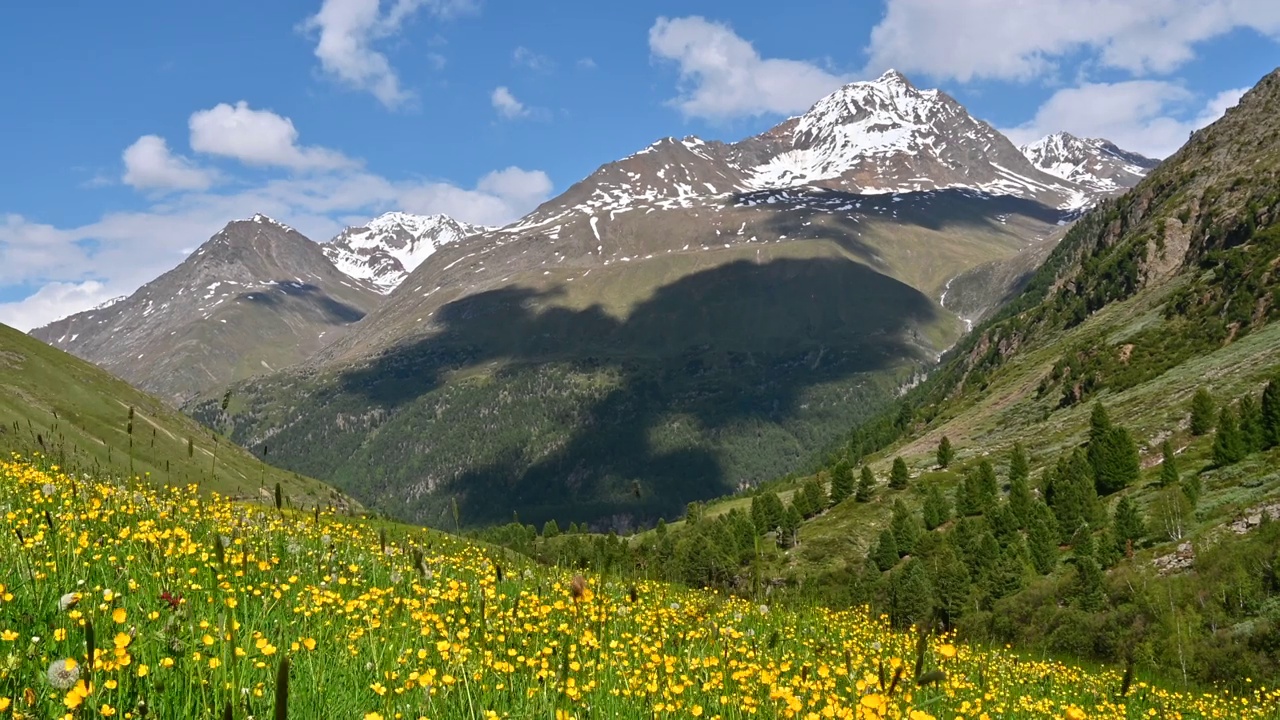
(1252,432)
(1271,414)
(789,530)
(910,595)
(550,529)
(1127,525)
(906,529)
(1202,407)
(885,551)
(1088,591)
(980,490)
(946,453)
(814,497)
(1072,495)
(1168,466)
(951,583)
(1115,460)
(1042,539)
(1020,497)
(842,482)
(936,510)
(800,502)
(1019,464)
(899,475)
(1228,445)
(866,485)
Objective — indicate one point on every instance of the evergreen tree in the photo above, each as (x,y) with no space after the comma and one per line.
(910,595)
(800,502)
(1271,414)
(1114,457)
(1020,497)
(1168,466)
(1088,590)
(906,529)
(814,497)
(984,488)
(1127,525)
(936,510)
(986,555)
(1019,464)
(1008,574)
(885,551)
(660,529)
(842,482)
(1004,524)
(1252,432)
(1202,407)
(1228,445)
(1072,495)
(1099,423)
(789,530)
(1191,489)
(866,485)
(550,529)
(1042,538)
(946,453)
(899,475)
(951,583)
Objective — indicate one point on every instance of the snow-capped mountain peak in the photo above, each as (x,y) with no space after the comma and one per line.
(390,246)
(1093,162)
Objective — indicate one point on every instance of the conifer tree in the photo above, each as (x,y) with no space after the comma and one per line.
(899,475)
(815,498)
(946,453)
(1088,591)
(910,595)
(866,485)
(550,529)
(1115,460)
(1128,526)
(1202,408)
(1168,466)
(1042,539)
(842,482)
(1228,445)
(1019,464)
(789,530)
(885,551)
(800,502)
(1252,433)
(906,529)
(936,510)
(1020,497)
(1271,414)
(1072,495)
(951,582)
(986,488)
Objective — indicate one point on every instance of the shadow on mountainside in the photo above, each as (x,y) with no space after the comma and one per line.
(583,415)
(304,297)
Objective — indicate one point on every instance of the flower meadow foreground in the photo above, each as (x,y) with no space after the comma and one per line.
(123,600)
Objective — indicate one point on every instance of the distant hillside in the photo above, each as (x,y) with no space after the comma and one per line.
(79,416)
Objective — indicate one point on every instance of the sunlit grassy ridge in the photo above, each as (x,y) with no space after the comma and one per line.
(195,602)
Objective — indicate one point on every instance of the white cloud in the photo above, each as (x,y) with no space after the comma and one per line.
(348,30)
(506,104)
(586,63)
(722,76)
(1024,39)
(524,57)
(1148,116)
(257,137)
(53,301)
(148,165)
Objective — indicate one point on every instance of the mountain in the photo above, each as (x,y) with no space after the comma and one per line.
(257,297)
(1094,163)
(1122,551)
(693,318)
(387,248)
(78,416)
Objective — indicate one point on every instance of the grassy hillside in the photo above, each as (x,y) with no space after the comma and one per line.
(226,611)
(79,416)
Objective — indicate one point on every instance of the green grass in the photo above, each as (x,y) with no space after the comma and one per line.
(78,415)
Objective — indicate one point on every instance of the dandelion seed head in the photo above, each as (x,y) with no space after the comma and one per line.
(63,674)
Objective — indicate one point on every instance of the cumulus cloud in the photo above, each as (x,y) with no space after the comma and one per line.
(1023,39)
(53,301)
(348,31)
(257,137)
(506,104)
(1147,116)
(722,76)
(149,165)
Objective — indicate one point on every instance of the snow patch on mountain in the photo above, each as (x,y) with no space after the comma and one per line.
(390,246)
(1093,163)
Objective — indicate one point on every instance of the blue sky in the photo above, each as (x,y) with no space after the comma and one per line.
(135,130)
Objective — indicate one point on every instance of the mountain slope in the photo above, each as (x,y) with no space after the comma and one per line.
(258,296)
(1092,162)
(671,327)
(78,415)
(386,249)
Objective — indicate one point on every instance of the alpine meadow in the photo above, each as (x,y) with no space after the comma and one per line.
(370,360)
